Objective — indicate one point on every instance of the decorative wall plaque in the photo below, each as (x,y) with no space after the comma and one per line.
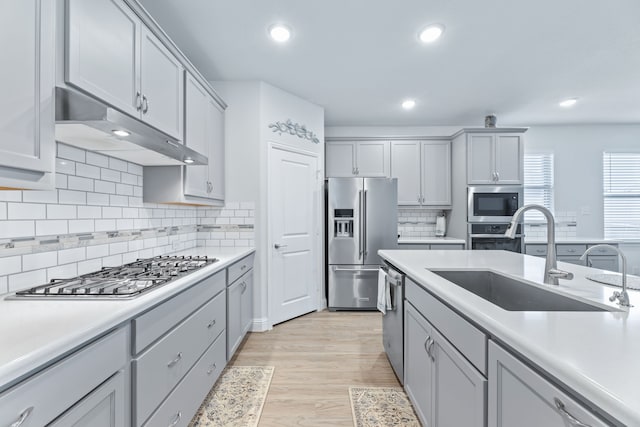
(295,129)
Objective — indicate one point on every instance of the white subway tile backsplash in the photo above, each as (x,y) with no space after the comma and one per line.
(247,205)
(65,166)
(92,212)
(124,224)
(66,271)
(10,265)
(111,212)
(128,178)
(81,226)
(11,196)
(124,189)
(39,260)
(98,199)
(118,248)
(118,200)
(97,251)
(61,212)
(13,229)
(3,210)
(71,197)
(105,187)
(51,227)
(232,205)
(89,266)
(72,255)
(105,224)
(26,211)
(27,280)
(40,196)
(112,261)
(134,169)
(61,180)
(118,164)
(79,183)
(97,159)
(4,288)
(87,171)
(109,175)
(71,153)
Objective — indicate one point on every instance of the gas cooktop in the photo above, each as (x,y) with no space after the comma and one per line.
(126,281)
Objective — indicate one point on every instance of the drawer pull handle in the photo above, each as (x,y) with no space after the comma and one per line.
(23,417)
(213,322)
(428,346)
(573,421)
(244,287)
(174,361)
(243,267)
(176,419)
(211,369)
(571,251)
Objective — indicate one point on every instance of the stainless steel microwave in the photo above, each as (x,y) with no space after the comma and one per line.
(487,203)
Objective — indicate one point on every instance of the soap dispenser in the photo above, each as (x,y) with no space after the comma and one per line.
(441,225)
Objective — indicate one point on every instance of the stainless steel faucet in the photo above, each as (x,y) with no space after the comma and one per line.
(551,272)
(622,297)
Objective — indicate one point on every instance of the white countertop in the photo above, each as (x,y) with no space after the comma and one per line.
(572,240)
(36,333)
(430,240)
(597,354)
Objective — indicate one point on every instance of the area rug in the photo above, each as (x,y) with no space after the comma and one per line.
(381,406)
(237,398)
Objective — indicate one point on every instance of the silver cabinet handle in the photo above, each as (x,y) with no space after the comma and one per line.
(567,416)
(174,361)
(433,357)
(138,101)
(418,198)
(353,171)
(176,419)
(211,369)
(428,346)
(243,285)
(356,270)
(497,176)
(279,246)
(145,104)
(210,324)
(22,417)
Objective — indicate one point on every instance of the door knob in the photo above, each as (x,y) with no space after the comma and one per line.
(279,246)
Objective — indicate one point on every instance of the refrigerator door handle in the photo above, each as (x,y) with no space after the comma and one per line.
(360,224)
(364,225)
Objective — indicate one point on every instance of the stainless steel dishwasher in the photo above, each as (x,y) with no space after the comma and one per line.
(393,321)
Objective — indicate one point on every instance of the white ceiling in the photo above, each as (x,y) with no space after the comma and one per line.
(360,58)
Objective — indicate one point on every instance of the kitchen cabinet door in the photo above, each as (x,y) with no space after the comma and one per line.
(196,178)
(508,149)
(340,159)
(103,52)
(418,370)
(373,159)
(216,149)
(405,166)
(518,396)
(480,159)
(436,173)
(603,262)
(162,86)
(234,317)
(27,141)
(455,380)
(571,259)
(103,407)
(246,304)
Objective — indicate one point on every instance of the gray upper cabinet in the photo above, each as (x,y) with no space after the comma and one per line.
(114,57)
(27,142)
(366,159)
(518,396)
(423,169)
(495,158)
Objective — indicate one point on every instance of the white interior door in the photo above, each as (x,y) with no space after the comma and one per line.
(294,213)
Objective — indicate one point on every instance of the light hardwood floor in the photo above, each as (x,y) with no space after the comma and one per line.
(316,358)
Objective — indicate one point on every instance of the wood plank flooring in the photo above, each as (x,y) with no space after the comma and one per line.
(316,358)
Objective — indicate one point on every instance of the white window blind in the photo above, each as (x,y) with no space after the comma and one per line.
(538,183)
(621,179)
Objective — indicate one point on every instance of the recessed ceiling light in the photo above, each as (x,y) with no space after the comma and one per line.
(408,104)
(119,132)
(431,33)
(568,102)
(188,160)
(280,33)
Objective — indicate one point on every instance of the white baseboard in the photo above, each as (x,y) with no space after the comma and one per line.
(260,325)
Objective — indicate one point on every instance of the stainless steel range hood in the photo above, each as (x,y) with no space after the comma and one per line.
(87,123)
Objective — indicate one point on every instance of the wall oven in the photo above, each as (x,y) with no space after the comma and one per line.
(494,204)
(487,236)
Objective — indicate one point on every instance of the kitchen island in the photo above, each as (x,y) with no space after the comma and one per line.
(590,355)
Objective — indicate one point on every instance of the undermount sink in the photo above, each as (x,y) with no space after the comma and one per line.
(512,294)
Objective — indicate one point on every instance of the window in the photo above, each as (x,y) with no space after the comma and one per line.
(538,183)
(621,179)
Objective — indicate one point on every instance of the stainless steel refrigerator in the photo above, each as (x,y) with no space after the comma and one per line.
(362,217)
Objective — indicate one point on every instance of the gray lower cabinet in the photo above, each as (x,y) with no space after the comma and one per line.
(602,258)
(73,391)
(103,407)
(603,262)
(518,396)
(239,303)
(433,246)
(571,259)
(438,377)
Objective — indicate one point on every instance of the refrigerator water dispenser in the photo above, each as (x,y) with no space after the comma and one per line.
(343,223)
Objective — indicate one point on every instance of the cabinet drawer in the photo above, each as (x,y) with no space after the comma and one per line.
(162,366)
(603,251)
(536,250)
(156,322)
(413,246)
(447,246)
(184,401)
(468,339)
(77,374)
(576,250)
(239,268)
